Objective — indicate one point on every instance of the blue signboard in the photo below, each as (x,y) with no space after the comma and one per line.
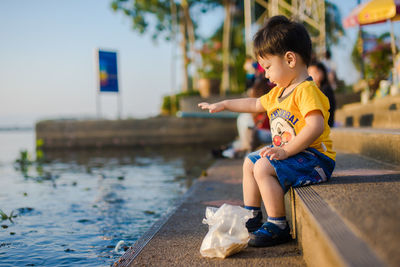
(108,71)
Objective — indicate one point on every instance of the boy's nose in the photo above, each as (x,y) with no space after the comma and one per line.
(266,75)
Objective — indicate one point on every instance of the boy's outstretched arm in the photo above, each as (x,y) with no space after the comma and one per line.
(247,105)
(312,130)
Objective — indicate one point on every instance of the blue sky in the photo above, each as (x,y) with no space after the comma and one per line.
(47,66)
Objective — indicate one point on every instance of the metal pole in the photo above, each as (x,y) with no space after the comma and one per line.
(98,105)
(393,45)
(392,39)
(360,33)
(119,105)
(119,97)
(97,73)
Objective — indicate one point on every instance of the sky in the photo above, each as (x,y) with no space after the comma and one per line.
(47,60)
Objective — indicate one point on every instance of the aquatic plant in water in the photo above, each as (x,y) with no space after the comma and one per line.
(39,151)
(24,162)
(4,216)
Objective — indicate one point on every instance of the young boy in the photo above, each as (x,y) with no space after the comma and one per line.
(301,153)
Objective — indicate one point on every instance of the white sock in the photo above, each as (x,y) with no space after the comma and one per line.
(278,221)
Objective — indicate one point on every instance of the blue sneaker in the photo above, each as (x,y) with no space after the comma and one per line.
(253,224)
(270,235)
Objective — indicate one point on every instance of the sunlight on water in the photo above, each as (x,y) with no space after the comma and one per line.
(73,209)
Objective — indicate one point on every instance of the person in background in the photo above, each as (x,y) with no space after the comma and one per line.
(253,128)
(261,131)
(250,69)
(253,70)
(318,72)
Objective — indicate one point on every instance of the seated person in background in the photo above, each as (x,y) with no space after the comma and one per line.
(253,128)
(250,69)
(318,72)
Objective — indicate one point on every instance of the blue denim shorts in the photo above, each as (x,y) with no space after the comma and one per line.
(305,168)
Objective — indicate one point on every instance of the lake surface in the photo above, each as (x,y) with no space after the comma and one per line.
(75,207)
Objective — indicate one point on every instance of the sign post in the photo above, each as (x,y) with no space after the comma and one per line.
(107,78)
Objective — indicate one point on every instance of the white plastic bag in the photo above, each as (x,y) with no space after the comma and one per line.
(227,232)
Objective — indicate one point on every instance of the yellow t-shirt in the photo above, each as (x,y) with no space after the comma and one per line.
(287,114)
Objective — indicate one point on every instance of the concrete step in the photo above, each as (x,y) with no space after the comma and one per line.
(351,220)
(378,113)
(381,144)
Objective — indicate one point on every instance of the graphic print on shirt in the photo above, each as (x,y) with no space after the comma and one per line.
(282,127)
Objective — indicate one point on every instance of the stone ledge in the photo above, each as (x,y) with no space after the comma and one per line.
(134,132)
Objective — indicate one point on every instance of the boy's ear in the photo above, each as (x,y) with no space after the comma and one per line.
(291,59)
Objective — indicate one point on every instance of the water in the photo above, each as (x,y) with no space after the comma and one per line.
(73,209)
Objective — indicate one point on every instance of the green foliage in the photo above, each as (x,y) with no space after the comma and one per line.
(178,96)
(170,103)
(4,216)
(377,63)
(333,24)
(24,158)
(154,17)
(156,14)
(211,52)
(23,162)
(343,88)
(33,169)
(39,150)
(166,104)
(211,55)
(144,11)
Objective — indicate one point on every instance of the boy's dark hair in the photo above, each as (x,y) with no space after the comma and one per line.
(280,35)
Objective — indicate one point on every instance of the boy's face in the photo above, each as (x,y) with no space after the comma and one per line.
(277,69)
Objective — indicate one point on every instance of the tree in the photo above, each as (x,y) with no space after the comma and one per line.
(160,15)
(377,58)
(333,24)
(225,50)
(233,51)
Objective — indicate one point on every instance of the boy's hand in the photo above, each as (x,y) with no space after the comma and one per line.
(277,153)
(216,107)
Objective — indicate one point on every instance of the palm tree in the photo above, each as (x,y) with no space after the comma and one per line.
(333,24)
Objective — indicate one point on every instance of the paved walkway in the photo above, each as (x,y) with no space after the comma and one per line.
(178,241)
